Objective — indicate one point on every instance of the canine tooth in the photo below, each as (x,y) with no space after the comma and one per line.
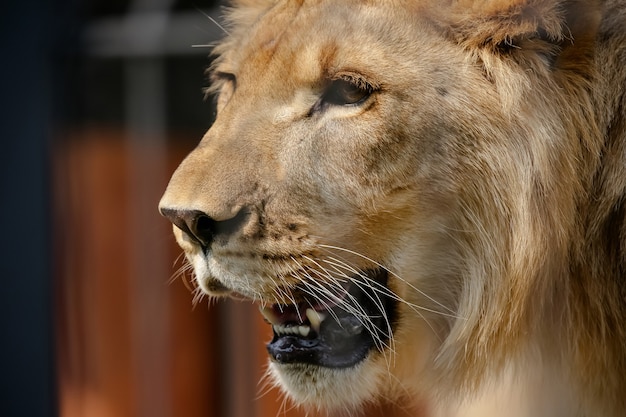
(315,318)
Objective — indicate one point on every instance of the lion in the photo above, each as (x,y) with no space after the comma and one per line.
(426,199)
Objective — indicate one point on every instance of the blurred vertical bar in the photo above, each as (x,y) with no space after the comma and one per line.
(26,359)
(146,116)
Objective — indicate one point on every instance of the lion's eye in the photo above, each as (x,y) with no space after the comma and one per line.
(342,92)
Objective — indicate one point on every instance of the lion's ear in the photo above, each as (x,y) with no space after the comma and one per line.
(510,23)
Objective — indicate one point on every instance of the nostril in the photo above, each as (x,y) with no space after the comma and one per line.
(204,229)
(195,223)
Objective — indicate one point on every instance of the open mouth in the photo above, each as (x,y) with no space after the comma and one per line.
(336,331)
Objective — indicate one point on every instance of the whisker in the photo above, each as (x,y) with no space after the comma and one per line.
(206,45)
(378,287)
(374,328)
(354,307)
(312,290)
(181,271)
(378,264)
(337,283)
(318,292)
(215,22)
(383,290)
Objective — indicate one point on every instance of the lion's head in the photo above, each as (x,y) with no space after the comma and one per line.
(396,184)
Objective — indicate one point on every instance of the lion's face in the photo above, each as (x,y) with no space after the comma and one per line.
(333,190)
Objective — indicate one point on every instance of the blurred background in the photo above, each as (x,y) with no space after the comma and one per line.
(101,99)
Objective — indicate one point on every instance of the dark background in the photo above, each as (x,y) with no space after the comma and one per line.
(63,78)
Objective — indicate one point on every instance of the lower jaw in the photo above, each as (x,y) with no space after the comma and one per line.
(333,348)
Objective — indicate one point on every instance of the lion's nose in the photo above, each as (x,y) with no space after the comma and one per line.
(201,227)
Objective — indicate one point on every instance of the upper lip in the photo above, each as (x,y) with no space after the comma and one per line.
(300,314)
(304,300)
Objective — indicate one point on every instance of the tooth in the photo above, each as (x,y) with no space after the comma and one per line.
(292,330)
(269,315)
(315,318)
(304,330)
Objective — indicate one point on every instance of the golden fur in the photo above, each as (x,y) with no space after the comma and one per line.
(486,172)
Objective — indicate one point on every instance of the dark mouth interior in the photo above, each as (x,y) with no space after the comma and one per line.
(336,334)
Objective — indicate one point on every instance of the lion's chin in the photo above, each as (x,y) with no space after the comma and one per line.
(325,353)
(329,389)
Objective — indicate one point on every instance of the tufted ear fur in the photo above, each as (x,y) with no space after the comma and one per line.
(549,27)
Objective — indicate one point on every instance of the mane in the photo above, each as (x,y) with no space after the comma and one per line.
(544,262)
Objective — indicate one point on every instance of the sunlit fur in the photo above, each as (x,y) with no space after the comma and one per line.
(486,173)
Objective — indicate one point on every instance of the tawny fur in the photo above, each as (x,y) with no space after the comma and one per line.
(488,174)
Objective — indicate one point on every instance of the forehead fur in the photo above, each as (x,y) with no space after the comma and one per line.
(280,34)
(472,22)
